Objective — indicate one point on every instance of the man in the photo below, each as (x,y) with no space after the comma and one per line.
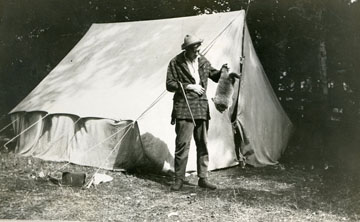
(187,77)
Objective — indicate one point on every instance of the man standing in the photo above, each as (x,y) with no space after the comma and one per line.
(187,77)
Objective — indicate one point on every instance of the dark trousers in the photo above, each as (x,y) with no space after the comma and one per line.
(185,129)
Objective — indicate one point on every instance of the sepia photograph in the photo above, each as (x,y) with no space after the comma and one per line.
(179,110)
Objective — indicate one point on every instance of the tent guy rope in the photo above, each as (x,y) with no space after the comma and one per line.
(211,44)
(8,125)
(109,137)
(5,145)
(93,147)
(152,105)
(108,156)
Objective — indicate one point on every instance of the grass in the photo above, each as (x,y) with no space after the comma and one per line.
(274,193)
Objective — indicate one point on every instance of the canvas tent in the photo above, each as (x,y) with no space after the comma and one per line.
(105,103)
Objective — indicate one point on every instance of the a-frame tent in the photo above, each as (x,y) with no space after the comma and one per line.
(105,103)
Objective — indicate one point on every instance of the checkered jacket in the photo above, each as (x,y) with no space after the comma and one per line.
(178,73)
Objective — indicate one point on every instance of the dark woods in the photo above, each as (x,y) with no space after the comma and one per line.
(310,51)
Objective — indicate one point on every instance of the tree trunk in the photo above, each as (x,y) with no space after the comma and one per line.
(323,68)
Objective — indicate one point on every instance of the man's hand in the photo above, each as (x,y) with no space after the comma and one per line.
(196,88)
(225,66)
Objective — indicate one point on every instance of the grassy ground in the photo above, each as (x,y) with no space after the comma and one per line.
(277,193)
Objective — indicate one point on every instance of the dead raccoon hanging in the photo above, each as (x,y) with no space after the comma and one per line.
(225,90)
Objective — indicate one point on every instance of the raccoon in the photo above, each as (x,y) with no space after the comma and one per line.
(225,90)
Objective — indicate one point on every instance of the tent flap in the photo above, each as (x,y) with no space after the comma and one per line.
(90,142)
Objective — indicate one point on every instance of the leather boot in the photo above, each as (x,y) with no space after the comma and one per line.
(177,185)
(204,183)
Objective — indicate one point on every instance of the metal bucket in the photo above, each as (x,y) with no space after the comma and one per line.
(73,179)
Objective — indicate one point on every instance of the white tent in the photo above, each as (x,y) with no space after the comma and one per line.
(105,103)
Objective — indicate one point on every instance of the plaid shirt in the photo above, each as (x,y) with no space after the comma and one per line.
(178,72)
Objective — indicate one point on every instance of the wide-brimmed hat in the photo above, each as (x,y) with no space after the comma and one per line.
(191,40)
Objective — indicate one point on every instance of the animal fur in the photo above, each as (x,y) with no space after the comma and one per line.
(225,90)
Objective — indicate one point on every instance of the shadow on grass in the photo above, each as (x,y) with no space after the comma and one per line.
(333,191)
(291,188)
